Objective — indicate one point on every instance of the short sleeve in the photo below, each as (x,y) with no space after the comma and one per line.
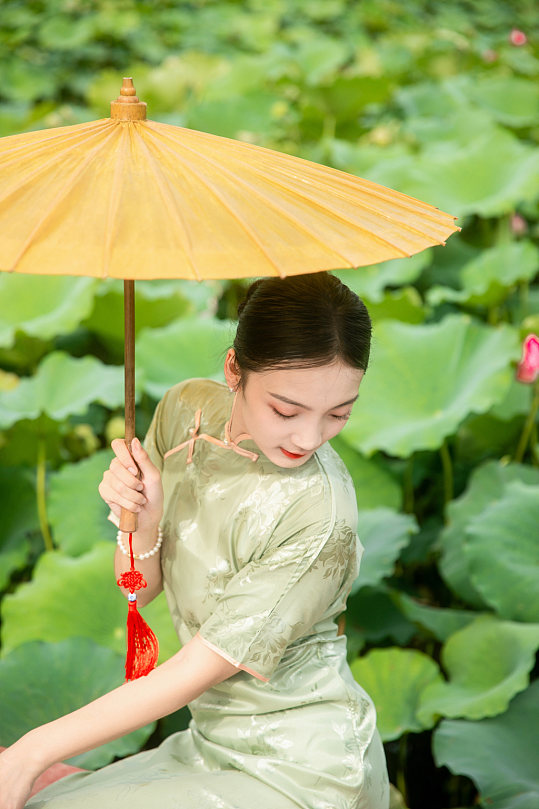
(153,441)
(303,577)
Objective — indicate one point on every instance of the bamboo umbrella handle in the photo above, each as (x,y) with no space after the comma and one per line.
(128,520)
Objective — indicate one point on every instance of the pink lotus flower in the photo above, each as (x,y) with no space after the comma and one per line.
(517,37)
(519,226)
(528,367)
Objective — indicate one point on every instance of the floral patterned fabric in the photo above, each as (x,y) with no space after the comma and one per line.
(258,560)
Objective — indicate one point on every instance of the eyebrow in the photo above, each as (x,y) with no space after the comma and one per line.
(298,404)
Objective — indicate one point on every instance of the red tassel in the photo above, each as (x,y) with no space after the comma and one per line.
(142,645)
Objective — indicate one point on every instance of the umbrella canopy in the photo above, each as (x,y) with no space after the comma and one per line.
(125,197)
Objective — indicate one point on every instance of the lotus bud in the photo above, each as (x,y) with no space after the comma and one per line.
(528,367)
(517,37)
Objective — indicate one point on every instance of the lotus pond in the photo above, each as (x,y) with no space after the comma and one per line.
(439,101)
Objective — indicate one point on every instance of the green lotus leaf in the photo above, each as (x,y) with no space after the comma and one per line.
(371,613)
(499,754)
(43,306)
(395,679)
(318,57)
(502,550)
(375,486)
(430,129)
(62,386)
(442,622)
(251,112)
(76,512)
(157,303)
(402,304)
(433,100)
(489,176)
(70,597)
(42,681)
(486,484)
(22,442)
(19,518)
(371,281)
(510,100)
(383,534)
(516,402)
(487,279)
(183,349)
(424,380)
(487,663)
(446,264)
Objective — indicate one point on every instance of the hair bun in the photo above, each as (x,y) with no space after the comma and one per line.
(254,286)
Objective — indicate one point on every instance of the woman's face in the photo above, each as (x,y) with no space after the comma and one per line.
(291,412)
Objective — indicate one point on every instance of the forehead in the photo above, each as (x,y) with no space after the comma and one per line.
(322,386)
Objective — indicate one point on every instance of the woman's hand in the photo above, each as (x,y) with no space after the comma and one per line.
(16,777)
(121,487)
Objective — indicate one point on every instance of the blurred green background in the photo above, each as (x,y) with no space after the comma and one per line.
(437,100)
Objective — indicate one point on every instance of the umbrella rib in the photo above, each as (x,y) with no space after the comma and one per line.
(44,137)
(345,195)
(64,190)
(375,189)
(293,219)
(427,210)
(114,199)
(252,235)
(41,169)
(242,222)
(173,211)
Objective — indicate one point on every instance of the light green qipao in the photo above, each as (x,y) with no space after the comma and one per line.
(258,560)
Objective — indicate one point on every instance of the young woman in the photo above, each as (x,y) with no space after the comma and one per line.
(258,518)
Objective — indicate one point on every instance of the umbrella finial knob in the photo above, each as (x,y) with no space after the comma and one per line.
(127,106)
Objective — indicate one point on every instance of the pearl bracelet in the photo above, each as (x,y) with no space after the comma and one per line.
(146,555)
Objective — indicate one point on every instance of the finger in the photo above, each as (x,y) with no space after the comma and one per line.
(114,489)
(116,486)
(119,448)
(118,470)
(142,458)
(122,502)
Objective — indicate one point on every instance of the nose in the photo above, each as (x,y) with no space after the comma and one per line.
(308,438)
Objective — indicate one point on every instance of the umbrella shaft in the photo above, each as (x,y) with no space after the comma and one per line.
(129,313)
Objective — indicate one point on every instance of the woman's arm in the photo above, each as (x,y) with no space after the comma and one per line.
(183,678)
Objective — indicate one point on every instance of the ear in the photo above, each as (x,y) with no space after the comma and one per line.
(232,374)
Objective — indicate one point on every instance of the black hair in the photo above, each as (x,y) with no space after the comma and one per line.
(301,321)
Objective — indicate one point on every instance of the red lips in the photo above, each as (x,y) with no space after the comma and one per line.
(292,454)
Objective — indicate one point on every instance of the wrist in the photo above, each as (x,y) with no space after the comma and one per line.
(122,540)
(32,747)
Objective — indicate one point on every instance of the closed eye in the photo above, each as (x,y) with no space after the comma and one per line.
(344,417)
(283,415)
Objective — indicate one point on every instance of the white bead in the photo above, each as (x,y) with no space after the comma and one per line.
(152,552)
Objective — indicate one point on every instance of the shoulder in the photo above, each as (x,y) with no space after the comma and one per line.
(318,497)
(193,393)
(340,484)
(176,411)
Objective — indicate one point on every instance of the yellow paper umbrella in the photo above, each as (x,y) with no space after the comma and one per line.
(125,197)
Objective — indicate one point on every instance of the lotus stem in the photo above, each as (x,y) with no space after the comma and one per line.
(448,473)
(493,316)
(524,297)
(528,425)
(408,485)
(41,495)
(401,779)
